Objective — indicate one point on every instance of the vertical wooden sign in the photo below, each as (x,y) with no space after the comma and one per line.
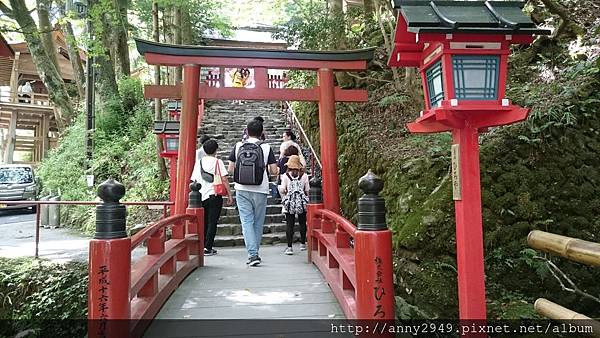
(456,184)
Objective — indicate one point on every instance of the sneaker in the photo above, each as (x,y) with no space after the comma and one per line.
(289,251)
(302,247)
(254,261)
(211,252)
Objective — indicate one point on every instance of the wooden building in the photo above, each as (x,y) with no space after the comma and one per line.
(27,119)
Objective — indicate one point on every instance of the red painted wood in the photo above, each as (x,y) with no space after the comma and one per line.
(517,114)
(311,219)
(187,138)
(177,60)
(149,265)
(141,236)
(108,292)
(328,132)
(469,231)
(345,298)
(196,226)
(172,181)
(145,309)
(261,80)
(375,289)
(502,76)
(269,94)
(448,77)
(467,37)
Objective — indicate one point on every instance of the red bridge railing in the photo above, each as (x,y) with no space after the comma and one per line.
(123,297)
(355,261)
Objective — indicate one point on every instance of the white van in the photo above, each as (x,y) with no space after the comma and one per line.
(17,183)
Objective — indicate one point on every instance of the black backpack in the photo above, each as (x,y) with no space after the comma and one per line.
(249,164)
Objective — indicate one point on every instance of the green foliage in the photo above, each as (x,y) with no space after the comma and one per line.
(396,99)
(39,296)
(206,17)
(311,26)
(541,174)
(124,149)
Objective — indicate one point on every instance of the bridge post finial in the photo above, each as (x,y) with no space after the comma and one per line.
(195,198)
(315,194)
(371,206)
(373,252)
(111,214)
(109,268)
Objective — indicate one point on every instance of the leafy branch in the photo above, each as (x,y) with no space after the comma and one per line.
(565,282)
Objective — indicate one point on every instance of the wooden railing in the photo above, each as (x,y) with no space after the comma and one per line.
(37,99)
(332,252)
(355,261)
(125,297)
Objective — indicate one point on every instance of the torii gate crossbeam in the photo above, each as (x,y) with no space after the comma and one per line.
(191,92)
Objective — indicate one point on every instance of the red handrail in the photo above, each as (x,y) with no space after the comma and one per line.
(82,203)
(147,232)
(337,219)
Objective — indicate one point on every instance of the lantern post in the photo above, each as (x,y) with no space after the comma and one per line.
(461,49)
(168,131)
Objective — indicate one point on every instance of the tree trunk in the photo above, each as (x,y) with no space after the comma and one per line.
(108,90)
(336,12)
(162,168)
(46,69)
(369,10)
(177,30)
(388,43)
(186,28)
(46,29)
(119,28)
(74,56)
(168,38)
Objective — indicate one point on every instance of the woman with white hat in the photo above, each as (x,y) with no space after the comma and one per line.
(295,187)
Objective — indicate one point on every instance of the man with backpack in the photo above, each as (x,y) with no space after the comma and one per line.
(249,162)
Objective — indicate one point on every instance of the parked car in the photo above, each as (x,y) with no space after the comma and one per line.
(17,183)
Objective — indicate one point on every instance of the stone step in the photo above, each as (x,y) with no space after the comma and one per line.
(235,219)
(236,229)
(272,238)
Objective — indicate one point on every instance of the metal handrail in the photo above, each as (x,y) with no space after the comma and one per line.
(297,122)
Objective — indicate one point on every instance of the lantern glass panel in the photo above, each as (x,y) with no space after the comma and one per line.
(476,76)
(172,144)
(435,87)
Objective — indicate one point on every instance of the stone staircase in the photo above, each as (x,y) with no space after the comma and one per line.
(225,122)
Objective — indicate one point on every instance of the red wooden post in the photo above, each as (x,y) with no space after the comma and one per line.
(109,266)
(373,252)
(469,231)
(187,140)
(173,182)
(327,129)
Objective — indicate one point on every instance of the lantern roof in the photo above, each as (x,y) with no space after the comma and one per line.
(170,127)
(481,17)
(166,127)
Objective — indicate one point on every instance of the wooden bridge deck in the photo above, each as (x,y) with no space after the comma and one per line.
(281,287)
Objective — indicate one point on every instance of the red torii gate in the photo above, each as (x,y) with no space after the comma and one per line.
(356,260)
(191,91)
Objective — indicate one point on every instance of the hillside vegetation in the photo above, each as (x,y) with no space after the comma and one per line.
(540,174)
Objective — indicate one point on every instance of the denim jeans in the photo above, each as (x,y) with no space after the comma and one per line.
(252,207)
